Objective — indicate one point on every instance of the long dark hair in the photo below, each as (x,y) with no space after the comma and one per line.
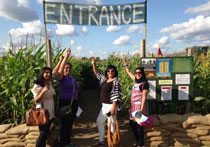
(40,79)
(143,78)
(111,67)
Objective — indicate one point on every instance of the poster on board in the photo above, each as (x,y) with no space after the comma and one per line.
(183,93)
(163,67)
(182,79)
(152,90)
(166,93)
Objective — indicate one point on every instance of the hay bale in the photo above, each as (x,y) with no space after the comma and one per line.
(18,130)
(5,127)
(195,120)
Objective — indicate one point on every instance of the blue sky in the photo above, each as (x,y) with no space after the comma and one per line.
(172,24)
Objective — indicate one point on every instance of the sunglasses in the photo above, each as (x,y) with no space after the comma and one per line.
(138,72)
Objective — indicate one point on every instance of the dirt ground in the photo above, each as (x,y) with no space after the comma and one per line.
(85,131)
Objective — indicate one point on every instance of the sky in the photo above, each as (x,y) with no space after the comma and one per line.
(171,24)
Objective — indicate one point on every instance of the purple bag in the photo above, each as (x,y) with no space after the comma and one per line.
(147,123)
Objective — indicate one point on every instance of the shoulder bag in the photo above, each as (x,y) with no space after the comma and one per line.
(37,116)
(113,139)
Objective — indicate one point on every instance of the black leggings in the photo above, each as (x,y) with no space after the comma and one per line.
(43,130)
(138,132)
(67,122)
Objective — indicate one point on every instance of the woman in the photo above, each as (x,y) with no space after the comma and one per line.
(68,92)
(138,100)
(43,93)
(110,97)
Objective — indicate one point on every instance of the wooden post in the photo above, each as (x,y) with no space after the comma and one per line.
(49,54)
(143,49)
(188,104)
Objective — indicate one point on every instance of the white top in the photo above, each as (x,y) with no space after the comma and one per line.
(47,98)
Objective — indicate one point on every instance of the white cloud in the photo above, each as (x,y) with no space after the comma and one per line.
(84,30)
(113,29)
(96,2)
(64,30)
(163,42)
(72,42)
(30,28)
(202,9)
(122,40)
(197,29)
(19,10)
(135,29)
(79,48)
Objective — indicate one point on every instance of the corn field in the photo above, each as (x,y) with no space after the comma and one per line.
(19,70)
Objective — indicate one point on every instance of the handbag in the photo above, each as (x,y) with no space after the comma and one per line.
(37,116)
(148,123)
(113,139)
(66,110)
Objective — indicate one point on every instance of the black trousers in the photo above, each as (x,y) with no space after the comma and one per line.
(138,133)
(67,122)
(44,130)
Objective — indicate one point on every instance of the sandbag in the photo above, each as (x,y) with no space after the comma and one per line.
(157,144)
(195,120)
(201,132)
(5,127)
(3,135)
(170,118)
(3,141)
(14,144)
(185,135)
(18,130)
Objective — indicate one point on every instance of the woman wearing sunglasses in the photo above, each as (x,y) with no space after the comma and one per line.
(138,100)
(110,97)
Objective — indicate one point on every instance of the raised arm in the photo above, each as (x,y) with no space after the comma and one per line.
(63,63)
(55,70)
(95,70)
(127,68)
